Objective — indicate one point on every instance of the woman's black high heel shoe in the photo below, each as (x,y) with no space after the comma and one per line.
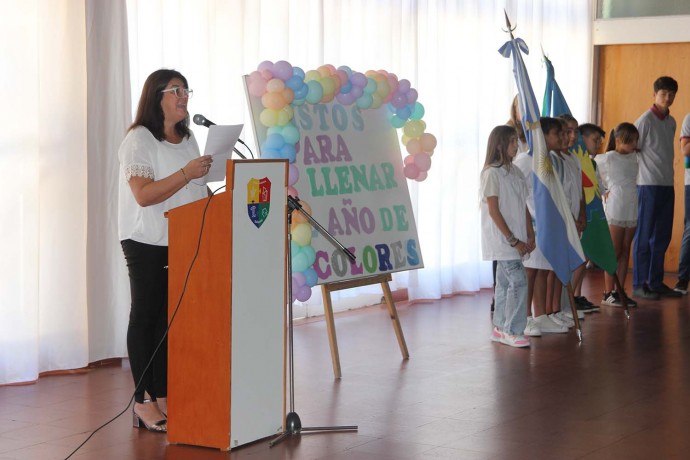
(161,426)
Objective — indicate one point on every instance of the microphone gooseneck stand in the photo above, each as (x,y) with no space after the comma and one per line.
(293,424)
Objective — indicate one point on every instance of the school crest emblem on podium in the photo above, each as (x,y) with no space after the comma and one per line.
(258,200)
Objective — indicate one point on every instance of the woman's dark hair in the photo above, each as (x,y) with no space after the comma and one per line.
(626,132)
(149,113)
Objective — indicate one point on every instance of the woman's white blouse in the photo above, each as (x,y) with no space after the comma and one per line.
(142,155)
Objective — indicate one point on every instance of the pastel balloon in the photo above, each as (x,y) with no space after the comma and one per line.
(311,278)
(293,174)
(370,87)
(268,117)
(282,70)
(358,79)
(409,159)
(275,85)
(297,71)
(346,69)
(299,262)
(328,85)
(413,128)
(356,92)
(397,122)
(294,249)
(411,171)
(310,254)
(399,100)
(299,278)
(345,99)
(270,154)
(257,88)
(364,101)
(301,234)
(421,176)
(412,96)
(404,86)
(405,139)
(428,142)
(423,161)
(383,88)
(315,92)
(417,112)
(303,294)
(404,112)
(294,83)
(266,74)
(298,216)
(346,87)
(414,146)
(288,151)
(284,115)
(265,65)
(376,101)
(274,101)
(312,75)
(274,141)
(301,93)
(290,133)
(292,191)
(288,95)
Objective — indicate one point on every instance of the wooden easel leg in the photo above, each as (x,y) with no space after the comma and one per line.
(330,326)
(393,312)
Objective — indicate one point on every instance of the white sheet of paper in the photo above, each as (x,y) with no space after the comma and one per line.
(219,144)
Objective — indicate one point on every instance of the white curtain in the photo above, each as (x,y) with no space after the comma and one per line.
(43,193)
(64,291)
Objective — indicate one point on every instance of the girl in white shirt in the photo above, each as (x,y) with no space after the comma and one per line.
(618,168)
(507,234)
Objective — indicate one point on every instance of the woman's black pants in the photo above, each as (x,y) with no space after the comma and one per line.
(148,317)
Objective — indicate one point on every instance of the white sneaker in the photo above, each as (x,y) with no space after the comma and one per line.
(557,320)
(569,314)
(532,329)
(547,325)
(567,321)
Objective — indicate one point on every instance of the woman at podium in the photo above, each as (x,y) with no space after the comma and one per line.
(159,162)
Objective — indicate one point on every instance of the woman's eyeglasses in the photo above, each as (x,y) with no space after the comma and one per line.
(179,92)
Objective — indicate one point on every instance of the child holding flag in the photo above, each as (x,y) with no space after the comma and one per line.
(507,234)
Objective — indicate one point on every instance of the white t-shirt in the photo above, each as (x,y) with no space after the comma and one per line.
(508,184)
(619,177)
(142,155)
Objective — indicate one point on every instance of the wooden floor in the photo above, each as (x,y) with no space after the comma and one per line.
(623,393)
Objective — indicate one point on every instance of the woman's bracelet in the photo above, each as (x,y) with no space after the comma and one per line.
(186,181)
(515,243)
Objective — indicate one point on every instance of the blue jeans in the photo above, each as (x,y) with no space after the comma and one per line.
(510,310)
(653,234)
(684,263)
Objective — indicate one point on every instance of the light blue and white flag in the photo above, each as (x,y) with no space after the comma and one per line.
(557,236)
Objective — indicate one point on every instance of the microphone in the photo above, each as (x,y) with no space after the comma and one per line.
(201,120)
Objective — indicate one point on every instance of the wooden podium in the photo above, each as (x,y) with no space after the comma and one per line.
(226,345)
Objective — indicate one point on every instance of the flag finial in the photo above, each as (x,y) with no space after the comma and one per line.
(510,28)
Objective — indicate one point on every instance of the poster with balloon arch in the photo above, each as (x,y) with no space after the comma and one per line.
(338,129)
